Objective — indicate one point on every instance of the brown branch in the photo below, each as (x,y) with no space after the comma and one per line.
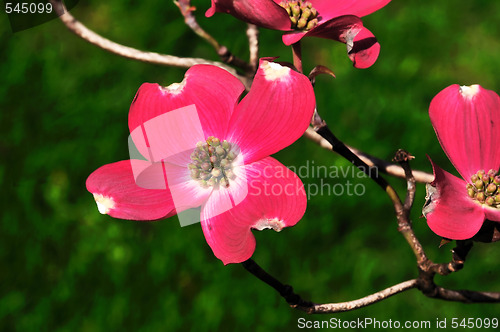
(362,302)
(131,53)
(403,210)
(226,56)
(382,166)
(253,44)
(466,296)
(190,20)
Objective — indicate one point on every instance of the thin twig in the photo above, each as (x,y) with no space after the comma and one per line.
(362,302)
(466,296)
(190,20)
(226,56)
(403,212)
(382,165)
(286,291)
(340,148)
(253,45)
(128,52)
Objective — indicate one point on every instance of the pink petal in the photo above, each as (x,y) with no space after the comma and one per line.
(274,114)
(467,124)
(491,213)
(292,37)
(212,90)
(264,13)
(117,194)
(362,46)
(171,136)
(455,215)
(364,50)
(329,9)
(275,199)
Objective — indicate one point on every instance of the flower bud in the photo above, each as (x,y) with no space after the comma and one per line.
(224,182)
(490,201)
(306,13)
(220,151)
(195,174)
(311,24)
(211,182)
(480,197)
(301,24)
(471,193)
(216,172)
(479,184)
(491,188)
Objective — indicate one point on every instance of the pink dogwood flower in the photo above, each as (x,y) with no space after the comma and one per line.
(203,147)
(467,124)
(332,19)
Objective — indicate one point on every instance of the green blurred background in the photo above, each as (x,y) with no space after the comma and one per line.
(64,106)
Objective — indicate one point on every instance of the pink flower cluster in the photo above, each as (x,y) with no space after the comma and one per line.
(331,19)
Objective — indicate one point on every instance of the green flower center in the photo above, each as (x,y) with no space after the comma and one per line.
(484,188)
(302,14)
(212,163)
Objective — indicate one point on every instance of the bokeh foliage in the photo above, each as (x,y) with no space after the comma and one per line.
(64,106)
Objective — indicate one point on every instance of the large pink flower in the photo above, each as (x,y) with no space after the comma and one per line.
(205,149)
(332,19)
(467,123)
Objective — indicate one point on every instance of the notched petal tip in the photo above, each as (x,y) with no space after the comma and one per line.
(469,91)
(104,203)
(274,71)
(174,88)
(275,224)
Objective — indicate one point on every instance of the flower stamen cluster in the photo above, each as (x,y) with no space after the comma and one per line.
(484,188)
(212,163)
(302,14)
